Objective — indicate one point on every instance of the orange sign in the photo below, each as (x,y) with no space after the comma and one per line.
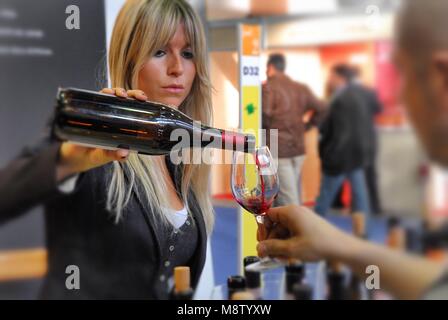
(251,40)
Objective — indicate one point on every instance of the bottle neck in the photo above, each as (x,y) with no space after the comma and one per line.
(227,140)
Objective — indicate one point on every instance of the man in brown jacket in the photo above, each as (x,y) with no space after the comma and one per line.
(285,103)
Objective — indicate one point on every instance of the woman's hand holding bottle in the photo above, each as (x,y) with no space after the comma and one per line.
(75,159)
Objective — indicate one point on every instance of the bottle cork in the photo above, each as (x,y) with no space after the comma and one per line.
(335,266)
(359,224)
(181,279)
(243,295)
(397,238)
(235,284)
(294,261)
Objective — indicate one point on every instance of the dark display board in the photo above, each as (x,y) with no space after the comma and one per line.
(41,48)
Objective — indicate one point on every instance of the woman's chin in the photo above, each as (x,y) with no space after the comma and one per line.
(173,103)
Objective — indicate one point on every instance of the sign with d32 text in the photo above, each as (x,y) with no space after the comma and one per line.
(250,119)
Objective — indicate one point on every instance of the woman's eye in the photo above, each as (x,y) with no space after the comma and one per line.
(187,54)
(159,53)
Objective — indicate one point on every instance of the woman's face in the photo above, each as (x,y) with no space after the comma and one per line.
(167,76)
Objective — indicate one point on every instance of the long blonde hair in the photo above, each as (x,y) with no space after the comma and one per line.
(143,27)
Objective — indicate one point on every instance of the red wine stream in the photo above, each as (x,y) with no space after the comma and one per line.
(263,202)
(256,205)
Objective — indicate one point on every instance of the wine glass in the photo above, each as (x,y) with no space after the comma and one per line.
(255,185)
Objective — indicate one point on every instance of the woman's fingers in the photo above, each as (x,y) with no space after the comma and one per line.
(137,94)
(120,92)
(108,91)
(275,248)
(261,232)
(278,232)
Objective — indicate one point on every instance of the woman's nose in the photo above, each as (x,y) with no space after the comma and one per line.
(175,67)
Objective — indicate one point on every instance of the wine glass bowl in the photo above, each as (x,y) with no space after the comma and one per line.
(255,182)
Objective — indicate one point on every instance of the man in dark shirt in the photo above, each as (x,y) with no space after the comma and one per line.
(370,171)
(346,144)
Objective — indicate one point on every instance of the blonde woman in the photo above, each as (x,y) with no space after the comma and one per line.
(128,219)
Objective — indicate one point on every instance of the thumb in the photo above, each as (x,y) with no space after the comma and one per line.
(116,155)
(123,153)
(283,215)
(274,247)
(100,156)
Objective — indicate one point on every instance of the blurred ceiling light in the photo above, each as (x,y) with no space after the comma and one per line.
(234,9)
(236,5)
(230,9)
(439,185)
(362,4)
(304,7)
(285,7)
(325,30)
(359,58)
(237,9)
(268,8)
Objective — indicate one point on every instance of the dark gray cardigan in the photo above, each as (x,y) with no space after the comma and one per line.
(115,260)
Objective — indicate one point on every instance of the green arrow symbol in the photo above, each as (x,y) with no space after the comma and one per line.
(250,108)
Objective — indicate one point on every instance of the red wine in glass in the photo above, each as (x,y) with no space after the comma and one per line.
(255,205)
(255,181)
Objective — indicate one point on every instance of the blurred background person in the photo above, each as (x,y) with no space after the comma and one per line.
(285,103)
(346,142)
(422,58)
(374,108)
(371,174)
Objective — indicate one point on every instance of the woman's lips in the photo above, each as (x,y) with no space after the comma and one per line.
(174,89)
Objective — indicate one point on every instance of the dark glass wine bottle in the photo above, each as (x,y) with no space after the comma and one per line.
(336,278)
(294,273)
(253,278)
(356,287)
(110,122)
(235,283)
(302,291)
